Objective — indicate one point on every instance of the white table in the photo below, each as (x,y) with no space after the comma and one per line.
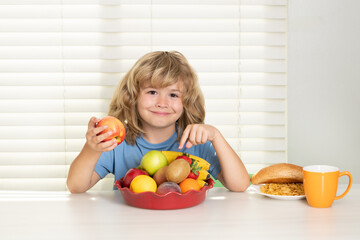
(223,215)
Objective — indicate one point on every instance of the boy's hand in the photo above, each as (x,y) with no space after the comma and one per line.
(196,134)
(94,141)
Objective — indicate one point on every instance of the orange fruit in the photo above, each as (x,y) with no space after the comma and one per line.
(189,184)
(143,183)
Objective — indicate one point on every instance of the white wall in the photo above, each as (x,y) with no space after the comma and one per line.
(324,84)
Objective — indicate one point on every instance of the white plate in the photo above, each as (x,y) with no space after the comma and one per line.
(256,189)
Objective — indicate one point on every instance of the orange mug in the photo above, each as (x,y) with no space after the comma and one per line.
(320,184)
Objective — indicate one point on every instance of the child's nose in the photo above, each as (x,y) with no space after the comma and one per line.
(162,102)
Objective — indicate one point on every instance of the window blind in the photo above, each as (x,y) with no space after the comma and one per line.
(61,60)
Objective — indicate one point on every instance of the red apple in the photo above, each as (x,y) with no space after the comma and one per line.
(131,174)
(115,125)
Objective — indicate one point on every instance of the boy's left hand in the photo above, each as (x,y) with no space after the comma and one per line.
(196,134)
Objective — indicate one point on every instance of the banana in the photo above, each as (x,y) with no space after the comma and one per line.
(201,163)
(172,155)
(203,175)
(202,183)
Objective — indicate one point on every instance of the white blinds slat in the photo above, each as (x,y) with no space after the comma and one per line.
(142,25)
(34,184)
(169,2)
(246,118)
(38,171)
(141,39)
(47,119)
(142,11)
(129,52)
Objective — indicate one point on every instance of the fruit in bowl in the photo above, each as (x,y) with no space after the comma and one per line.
(131,174)
(157,191)
(167,187)
(153,161)
(189,184)
(143,183)
(178,170)
(170,200)
(160,175)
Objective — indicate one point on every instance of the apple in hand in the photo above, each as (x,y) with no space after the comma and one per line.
(115,126)
(153,161)
(131,174)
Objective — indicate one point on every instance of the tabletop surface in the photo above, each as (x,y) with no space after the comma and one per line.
(223,215)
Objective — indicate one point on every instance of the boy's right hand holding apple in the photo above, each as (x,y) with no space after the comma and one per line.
(81,174)
(95,141)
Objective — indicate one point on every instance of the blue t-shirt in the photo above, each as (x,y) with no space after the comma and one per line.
(126,156)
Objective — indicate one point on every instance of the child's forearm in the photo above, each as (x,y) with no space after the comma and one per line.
(80,177)
(234,175)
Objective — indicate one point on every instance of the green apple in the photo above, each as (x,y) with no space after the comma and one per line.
(153,161)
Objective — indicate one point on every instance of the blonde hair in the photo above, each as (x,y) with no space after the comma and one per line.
(160,69)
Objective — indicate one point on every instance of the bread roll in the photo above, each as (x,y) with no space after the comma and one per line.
(279,173)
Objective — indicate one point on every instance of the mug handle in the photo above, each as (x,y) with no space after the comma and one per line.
(348,188)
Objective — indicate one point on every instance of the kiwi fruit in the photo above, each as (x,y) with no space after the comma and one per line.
(177,171)
(160,176)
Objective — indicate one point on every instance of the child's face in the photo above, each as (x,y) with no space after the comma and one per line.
(160,107)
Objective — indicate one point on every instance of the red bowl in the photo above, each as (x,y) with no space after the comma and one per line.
(171,200)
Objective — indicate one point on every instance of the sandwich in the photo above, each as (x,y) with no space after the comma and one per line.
(283,179)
